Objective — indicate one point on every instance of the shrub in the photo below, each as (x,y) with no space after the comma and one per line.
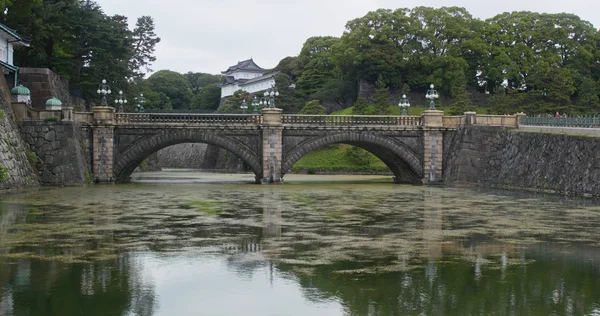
(3,174)
(51,119)
(2,115)
(32,157)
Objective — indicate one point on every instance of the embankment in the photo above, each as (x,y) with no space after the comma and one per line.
(498,157)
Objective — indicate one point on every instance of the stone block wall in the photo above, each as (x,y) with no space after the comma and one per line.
(199,156)
(499,157)
(45,84)
(16,170)
(63,151)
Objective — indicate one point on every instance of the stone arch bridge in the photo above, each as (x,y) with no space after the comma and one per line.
(270,143)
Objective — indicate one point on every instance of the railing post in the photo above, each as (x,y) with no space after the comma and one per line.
(272,134)
(470,118)
(103,143)
(520,117)
(67,114)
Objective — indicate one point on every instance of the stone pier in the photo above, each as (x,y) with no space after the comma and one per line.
(272,134)
(103,142)
(432,146)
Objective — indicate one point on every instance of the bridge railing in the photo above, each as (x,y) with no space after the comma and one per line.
(174,118)
(572,121)
(351,120)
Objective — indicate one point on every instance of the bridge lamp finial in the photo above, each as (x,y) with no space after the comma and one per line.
(404,104)
(432,95)
(243,106)
(103,90)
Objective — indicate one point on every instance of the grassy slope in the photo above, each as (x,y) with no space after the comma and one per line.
(336,158)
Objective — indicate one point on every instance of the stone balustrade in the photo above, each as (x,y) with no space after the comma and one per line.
(428,119)
(175,118)
(351,120)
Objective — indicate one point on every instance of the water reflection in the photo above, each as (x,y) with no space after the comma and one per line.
(360,249)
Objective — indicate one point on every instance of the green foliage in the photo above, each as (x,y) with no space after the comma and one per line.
(289,99)
(144,41)
(89,177)
(381,100)
(3,174)
(317,64)
(2,114)
(360,106)
(313,107)
(171,88)
(77,40)
(208,98)
(51,119)
(405,49)
(233,102)
(359,156)
(32,157)
(339,157)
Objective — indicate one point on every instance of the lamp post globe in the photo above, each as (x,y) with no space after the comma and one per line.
(140,106)
(243,106)
(255,104)
(432,95)
(404,104)
(268,99)
(120,100)
(103,90)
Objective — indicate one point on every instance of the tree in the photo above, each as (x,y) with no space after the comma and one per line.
(199,80)
(174,86)
(362,107)
(208,98)
(144,42)
(75,39)
(381,100)
(236,99)
(313,107)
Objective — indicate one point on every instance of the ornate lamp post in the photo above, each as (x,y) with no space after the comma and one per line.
(120,100)
(269,97)
(140,106)
(243,106)
(255,104)
(404,104)
(432,95)
(103,89)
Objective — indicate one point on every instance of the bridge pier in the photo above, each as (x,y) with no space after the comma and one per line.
(433,146)
(272,140)
(103,143)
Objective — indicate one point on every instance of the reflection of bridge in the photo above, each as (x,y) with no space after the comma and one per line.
(269,143)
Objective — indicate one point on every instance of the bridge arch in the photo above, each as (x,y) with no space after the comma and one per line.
(402,160)
(128,160)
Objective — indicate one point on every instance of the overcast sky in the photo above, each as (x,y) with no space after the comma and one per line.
(210,35)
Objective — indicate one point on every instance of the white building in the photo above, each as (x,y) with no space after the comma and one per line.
(247,76)
(8,40)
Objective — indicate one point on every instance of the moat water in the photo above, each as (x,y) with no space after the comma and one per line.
(316,245)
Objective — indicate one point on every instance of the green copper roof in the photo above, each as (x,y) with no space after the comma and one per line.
(53,102)
(20,90)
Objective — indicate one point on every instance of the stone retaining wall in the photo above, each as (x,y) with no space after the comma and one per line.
(45,84)
(15,170)
(199,156)
(499,157)
(63,150)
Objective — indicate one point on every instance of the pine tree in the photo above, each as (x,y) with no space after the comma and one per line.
(381,100)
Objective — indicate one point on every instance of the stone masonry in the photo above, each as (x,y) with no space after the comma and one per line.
(13,158)
(62,150)
(499,157)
